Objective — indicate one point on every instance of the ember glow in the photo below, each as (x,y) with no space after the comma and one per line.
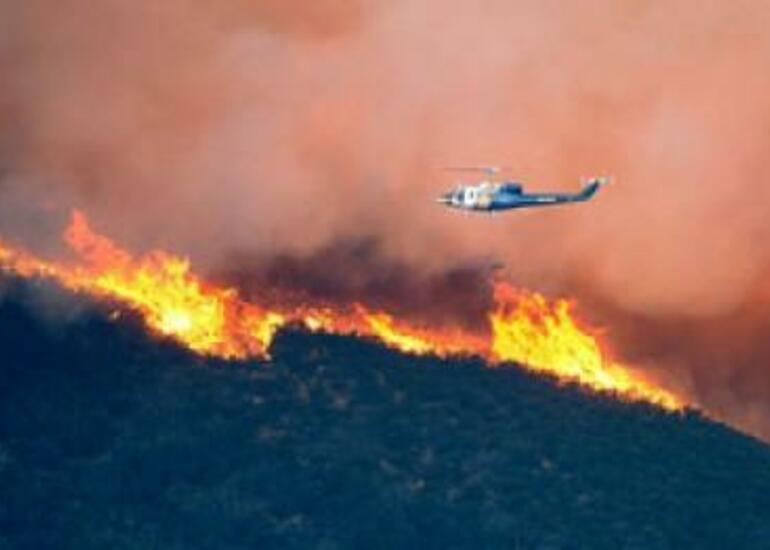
(525,327)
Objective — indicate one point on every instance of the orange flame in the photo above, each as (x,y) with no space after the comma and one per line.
(212,320)
(161,287)
(544,336)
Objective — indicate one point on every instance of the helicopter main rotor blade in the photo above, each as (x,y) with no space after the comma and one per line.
(490,170)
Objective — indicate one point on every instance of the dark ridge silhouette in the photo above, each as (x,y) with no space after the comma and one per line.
(111,438)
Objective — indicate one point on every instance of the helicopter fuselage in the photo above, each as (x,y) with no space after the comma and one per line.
(491,197)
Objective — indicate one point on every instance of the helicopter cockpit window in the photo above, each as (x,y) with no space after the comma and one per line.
(512,188)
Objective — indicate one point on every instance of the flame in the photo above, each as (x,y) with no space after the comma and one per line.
(420,340)
(213,320)
(161,287)
(544,336)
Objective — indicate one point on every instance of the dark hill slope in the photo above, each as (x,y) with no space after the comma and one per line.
(109,439)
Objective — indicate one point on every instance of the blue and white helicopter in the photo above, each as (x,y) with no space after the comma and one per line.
(489,195)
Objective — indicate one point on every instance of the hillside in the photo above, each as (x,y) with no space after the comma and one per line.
(110,438)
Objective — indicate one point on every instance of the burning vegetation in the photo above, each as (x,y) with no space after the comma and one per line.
(524,327)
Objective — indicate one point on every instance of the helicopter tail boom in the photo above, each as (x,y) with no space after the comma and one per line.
(590,189)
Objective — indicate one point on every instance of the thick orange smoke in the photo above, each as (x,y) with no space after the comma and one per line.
(525,327)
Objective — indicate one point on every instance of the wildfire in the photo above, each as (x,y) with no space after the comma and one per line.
(544,336)
(524,327)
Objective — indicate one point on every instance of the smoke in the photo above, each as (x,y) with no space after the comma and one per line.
(261,137)
(459,296)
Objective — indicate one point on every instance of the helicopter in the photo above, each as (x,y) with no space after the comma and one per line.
(490,195)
